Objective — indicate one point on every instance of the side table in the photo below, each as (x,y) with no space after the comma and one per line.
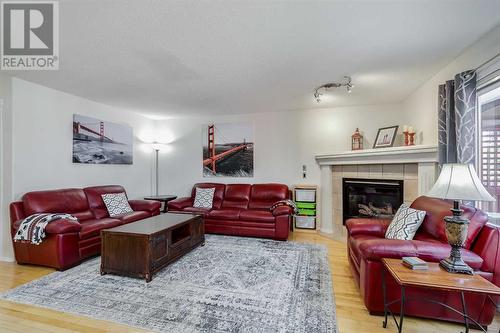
(434,278)
(162,198)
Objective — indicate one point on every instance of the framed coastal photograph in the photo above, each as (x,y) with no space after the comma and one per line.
(385,137)
(97,141)
(228,149)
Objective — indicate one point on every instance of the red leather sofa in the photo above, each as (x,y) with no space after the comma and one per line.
(66,242)
(367,246)
(242,210)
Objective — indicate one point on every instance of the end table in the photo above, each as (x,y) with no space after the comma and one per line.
(162,198)
(435,278)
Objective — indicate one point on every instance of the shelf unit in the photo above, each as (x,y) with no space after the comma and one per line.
(306,199)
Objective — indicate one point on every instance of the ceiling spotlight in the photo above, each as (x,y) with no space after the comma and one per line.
(347,83)
(317,96)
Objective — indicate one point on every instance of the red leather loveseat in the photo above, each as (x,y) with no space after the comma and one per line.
(366,246)
(242,210)
(66,242)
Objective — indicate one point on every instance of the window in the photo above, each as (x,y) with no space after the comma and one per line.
(489,147)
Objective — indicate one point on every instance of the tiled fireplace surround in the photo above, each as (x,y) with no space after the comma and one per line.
(415,165)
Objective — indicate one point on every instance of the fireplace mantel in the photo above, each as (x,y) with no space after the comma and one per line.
(392,155)
(361,163)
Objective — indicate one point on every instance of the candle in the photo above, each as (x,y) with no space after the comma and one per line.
(411,130)
(405,128)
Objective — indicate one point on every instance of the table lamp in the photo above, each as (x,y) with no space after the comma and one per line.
(458,182)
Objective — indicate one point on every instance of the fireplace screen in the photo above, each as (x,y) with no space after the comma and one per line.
(371,198)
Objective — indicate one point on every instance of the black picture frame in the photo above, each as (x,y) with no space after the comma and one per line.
(390,140)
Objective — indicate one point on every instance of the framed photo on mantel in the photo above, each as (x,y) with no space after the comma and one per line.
(385,137)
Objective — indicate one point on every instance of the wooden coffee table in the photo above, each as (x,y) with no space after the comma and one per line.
(142,248)
(433,278)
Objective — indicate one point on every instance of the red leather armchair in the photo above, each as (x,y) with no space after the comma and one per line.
(366,245)
(242,210)
(66,242)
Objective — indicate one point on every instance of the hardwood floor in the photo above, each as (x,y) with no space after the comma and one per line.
(351,313)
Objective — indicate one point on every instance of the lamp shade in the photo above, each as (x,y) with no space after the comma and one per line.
(459,182)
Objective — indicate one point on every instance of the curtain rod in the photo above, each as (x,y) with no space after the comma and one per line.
(487,61)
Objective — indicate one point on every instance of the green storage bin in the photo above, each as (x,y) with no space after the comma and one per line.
(307,212)
(306,205)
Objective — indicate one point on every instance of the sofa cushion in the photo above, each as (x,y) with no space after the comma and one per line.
(71,201)
(263,196)
(225,214)
(376,249)
(405,223)
(204,197)
(257,216)
(94,197)
(116,204)
(437,209)
(423,236)
(133,216)
(218,194)
(93,228)
(236,196)
(434,252)
(203,211)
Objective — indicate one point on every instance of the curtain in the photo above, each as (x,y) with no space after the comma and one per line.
(457,119)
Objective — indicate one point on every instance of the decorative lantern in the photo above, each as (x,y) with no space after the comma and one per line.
(357,140)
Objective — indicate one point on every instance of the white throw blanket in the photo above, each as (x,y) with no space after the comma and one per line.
(32,228)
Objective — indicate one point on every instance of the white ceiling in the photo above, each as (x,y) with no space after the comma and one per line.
(194,57)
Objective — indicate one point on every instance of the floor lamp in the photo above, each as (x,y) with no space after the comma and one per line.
(156,147)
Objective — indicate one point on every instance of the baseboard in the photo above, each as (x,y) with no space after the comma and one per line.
(7,259)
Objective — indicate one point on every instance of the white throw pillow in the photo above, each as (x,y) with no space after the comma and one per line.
(405,223)
(116,203)
(204,197)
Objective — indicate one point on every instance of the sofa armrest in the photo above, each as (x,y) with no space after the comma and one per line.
(180,204)
(145,205)
(487,246)
(62,226)
(282,210)
(16,213)
(368,226)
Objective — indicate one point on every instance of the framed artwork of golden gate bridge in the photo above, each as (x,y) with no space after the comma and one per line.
(228,149)
(101,142)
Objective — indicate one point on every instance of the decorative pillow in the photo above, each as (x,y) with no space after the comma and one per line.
(405,223)
(116,203)
(204,197)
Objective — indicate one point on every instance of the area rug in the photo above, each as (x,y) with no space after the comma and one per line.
(232,284)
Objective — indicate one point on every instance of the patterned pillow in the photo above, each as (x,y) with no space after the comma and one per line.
(405,223)
(204,197)
(116,203)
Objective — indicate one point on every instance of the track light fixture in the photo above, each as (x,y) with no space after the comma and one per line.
(347,83)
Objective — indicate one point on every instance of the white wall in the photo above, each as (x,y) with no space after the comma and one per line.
(422,104)
(284,141)
(42,141)
(5,165)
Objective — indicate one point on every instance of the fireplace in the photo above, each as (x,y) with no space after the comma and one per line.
(371,198)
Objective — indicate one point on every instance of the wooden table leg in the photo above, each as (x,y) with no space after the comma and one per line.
(384,323)
(464,310)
